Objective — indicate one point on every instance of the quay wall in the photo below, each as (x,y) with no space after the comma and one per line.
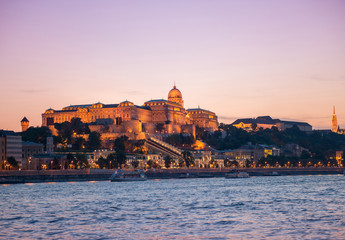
(33,176)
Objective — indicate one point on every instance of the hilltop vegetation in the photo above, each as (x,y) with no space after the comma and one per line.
(322,145)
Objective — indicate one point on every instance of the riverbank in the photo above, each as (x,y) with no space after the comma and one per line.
(31,176)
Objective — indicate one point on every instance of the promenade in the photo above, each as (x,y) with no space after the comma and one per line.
(32,176)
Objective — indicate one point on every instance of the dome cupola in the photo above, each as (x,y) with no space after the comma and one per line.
(175,95)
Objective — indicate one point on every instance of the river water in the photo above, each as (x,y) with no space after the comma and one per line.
(281,207)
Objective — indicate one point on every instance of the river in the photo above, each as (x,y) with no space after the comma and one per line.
(279,207)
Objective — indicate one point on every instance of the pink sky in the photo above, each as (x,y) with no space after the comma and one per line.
(236,58)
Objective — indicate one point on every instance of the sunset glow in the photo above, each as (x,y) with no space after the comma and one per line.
(238,58)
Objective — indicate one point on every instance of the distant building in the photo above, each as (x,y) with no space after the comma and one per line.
(293,150)
(25,124)
(11,144)
(3,152)
(334,121)
(49,145)
(30,149)
(43,161)
(252,124)
(339,157)
(335,126)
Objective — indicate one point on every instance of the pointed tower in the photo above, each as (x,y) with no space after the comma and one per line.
(25,124)
(334,121)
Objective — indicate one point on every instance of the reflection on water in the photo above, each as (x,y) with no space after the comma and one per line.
(300,207)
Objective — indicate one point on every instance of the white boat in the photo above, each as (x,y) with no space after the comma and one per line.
(237,174)
(128,176)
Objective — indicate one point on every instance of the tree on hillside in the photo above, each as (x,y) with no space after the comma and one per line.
(65,132)
(79,127)
(36,134)
(78,143)
(94,141)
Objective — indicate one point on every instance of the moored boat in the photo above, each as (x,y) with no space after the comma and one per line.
(237,174)
(128,176)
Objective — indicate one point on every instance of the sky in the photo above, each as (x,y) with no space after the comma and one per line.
(239,59)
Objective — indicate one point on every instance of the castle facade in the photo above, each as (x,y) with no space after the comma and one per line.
(133,120)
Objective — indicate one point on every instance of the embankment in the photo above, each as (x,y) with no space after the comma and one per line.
(30,176)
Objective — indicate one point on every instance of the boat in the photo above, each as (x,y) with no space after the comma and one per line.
(128,176)
(237,174)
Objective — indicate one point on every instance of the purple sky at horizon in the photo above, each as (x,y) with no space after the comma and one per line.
(237,58)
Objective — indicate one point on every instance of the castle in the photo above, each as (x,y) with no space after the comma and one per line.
(155,116)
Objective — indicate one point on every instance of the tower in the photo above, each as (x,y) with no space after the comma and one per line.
(25,124)
(175,96)
(334,121)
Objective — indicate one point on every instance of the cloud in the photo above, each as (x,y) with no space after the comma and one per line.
(33,91)
(322,78)
(227,119)
(134,92)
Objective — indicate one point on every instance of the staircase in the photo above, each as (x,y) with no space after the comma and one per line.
(163,147)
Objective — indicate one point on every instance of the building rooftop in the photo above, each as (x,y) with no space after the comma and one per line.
(267,120)
(32,144)
(199,109)
(24,120)
(4,133)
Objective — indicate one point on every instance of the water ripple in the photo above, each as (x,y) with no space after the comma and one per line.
(301,207)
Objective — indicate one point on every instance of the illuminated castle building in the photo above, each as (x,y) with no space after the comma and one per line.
(113,120)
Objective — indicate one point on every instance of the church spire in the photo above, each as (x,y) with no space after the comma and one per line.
(334,121)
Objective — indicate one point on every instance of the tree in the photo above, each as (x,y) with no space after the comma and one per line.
(168,161)
(135,163)
(55,164)
(121,159)
(36,134)
(79,127)
(81,161)
(65,131)
(248,163)
(78,143)
(234,163)
(13,162)
(71,161)
(111,161)
(181,162)
(102,163)
(94,141)
(120,144)
(188,158)
(150,163)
